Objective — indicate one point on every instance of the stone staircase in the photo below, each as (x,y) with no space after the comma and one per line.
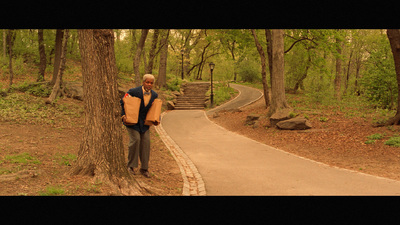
(194,96)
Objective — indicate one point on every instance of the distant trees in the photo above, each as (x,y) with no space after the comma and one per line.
(328,65)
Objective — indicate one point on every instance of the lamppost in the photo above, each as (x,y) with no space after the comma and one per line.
(211,64)
(182,61)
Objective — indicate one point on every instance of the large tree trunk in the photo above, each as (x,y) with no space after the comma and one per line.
(263,68)
(278,97)
(57,86)
(101,153)
(42,54)
(136,60)
(394,39)
(162,69)
(57,54)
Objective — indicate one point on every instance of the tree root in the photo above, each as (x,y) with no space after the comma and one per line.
(19,175)
(392,121)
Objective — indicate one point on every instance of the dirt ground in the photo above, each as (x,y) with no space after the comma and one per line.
(337,138)
(34,159)
(35,155)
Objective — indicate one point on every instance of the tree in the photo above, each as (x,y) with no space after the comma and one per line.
(136,60)
(57,56)
(101,151)
(338,77)
(57,85)
(278,98)
(394,39)
(152,52)
(162,69)
(42,54)
(10,43)
(263,68)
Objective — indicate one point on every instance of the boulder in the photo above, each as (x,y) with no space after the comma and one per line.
(297,123)
(280,115)
(74,90)
(170,105)
(252,119)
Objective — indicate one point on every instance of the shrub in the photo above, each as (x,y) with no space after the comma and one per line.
(376,136)
(393,141)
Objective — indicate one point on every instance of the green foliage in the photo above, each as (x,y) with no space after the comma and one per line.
(21,107)
(173,83)
(376,136)
(52,191)
(249,71)
(23,158)
(393,141)
(379,82)
(323,119)
(222,93)
(40,90)
(65,159)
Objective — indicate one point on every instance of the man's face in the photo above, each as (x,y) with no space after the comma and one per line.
(148,84)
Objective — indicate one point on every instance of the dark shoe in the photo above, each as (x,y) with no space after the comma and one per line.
(132,170)
(145,173)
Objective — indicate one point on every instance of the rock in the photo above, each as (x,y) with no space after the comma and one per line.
(215,115)
(297,123)
(176,93)
(170,105)
(251,119)
(279,116)
(74,90)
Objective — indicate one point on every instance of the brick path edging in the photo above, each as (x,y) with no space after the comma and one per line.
(193,184)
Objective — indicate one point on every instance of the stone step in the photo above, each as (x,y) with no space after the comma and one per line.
(188,108)
(193,98)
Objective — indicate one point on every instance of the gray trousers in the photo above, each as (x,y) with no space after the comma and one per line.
(139,148)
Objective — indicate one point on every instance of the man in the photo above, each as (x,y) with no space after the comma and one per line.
(139,135)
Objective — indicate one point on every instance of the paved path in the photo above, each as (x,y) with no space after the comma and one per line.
(247,95)
(225,163)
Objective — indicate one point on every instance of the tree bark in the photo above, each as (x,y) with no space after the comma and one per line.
(346,83)
(136,60)
(263,68)
(278,97)
(304,76)
(338,77)
(101,153)
(4,46)
(394,39)
(152,52)
(268,37)
(42,54)
(57,54)
(10,42)
(162,69)
(57,86)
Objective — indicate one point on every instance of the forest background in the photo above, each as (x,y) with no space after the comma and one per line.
(327,65)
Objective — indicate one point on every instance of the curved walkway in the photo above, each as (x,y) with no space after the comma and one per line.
(225,163)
